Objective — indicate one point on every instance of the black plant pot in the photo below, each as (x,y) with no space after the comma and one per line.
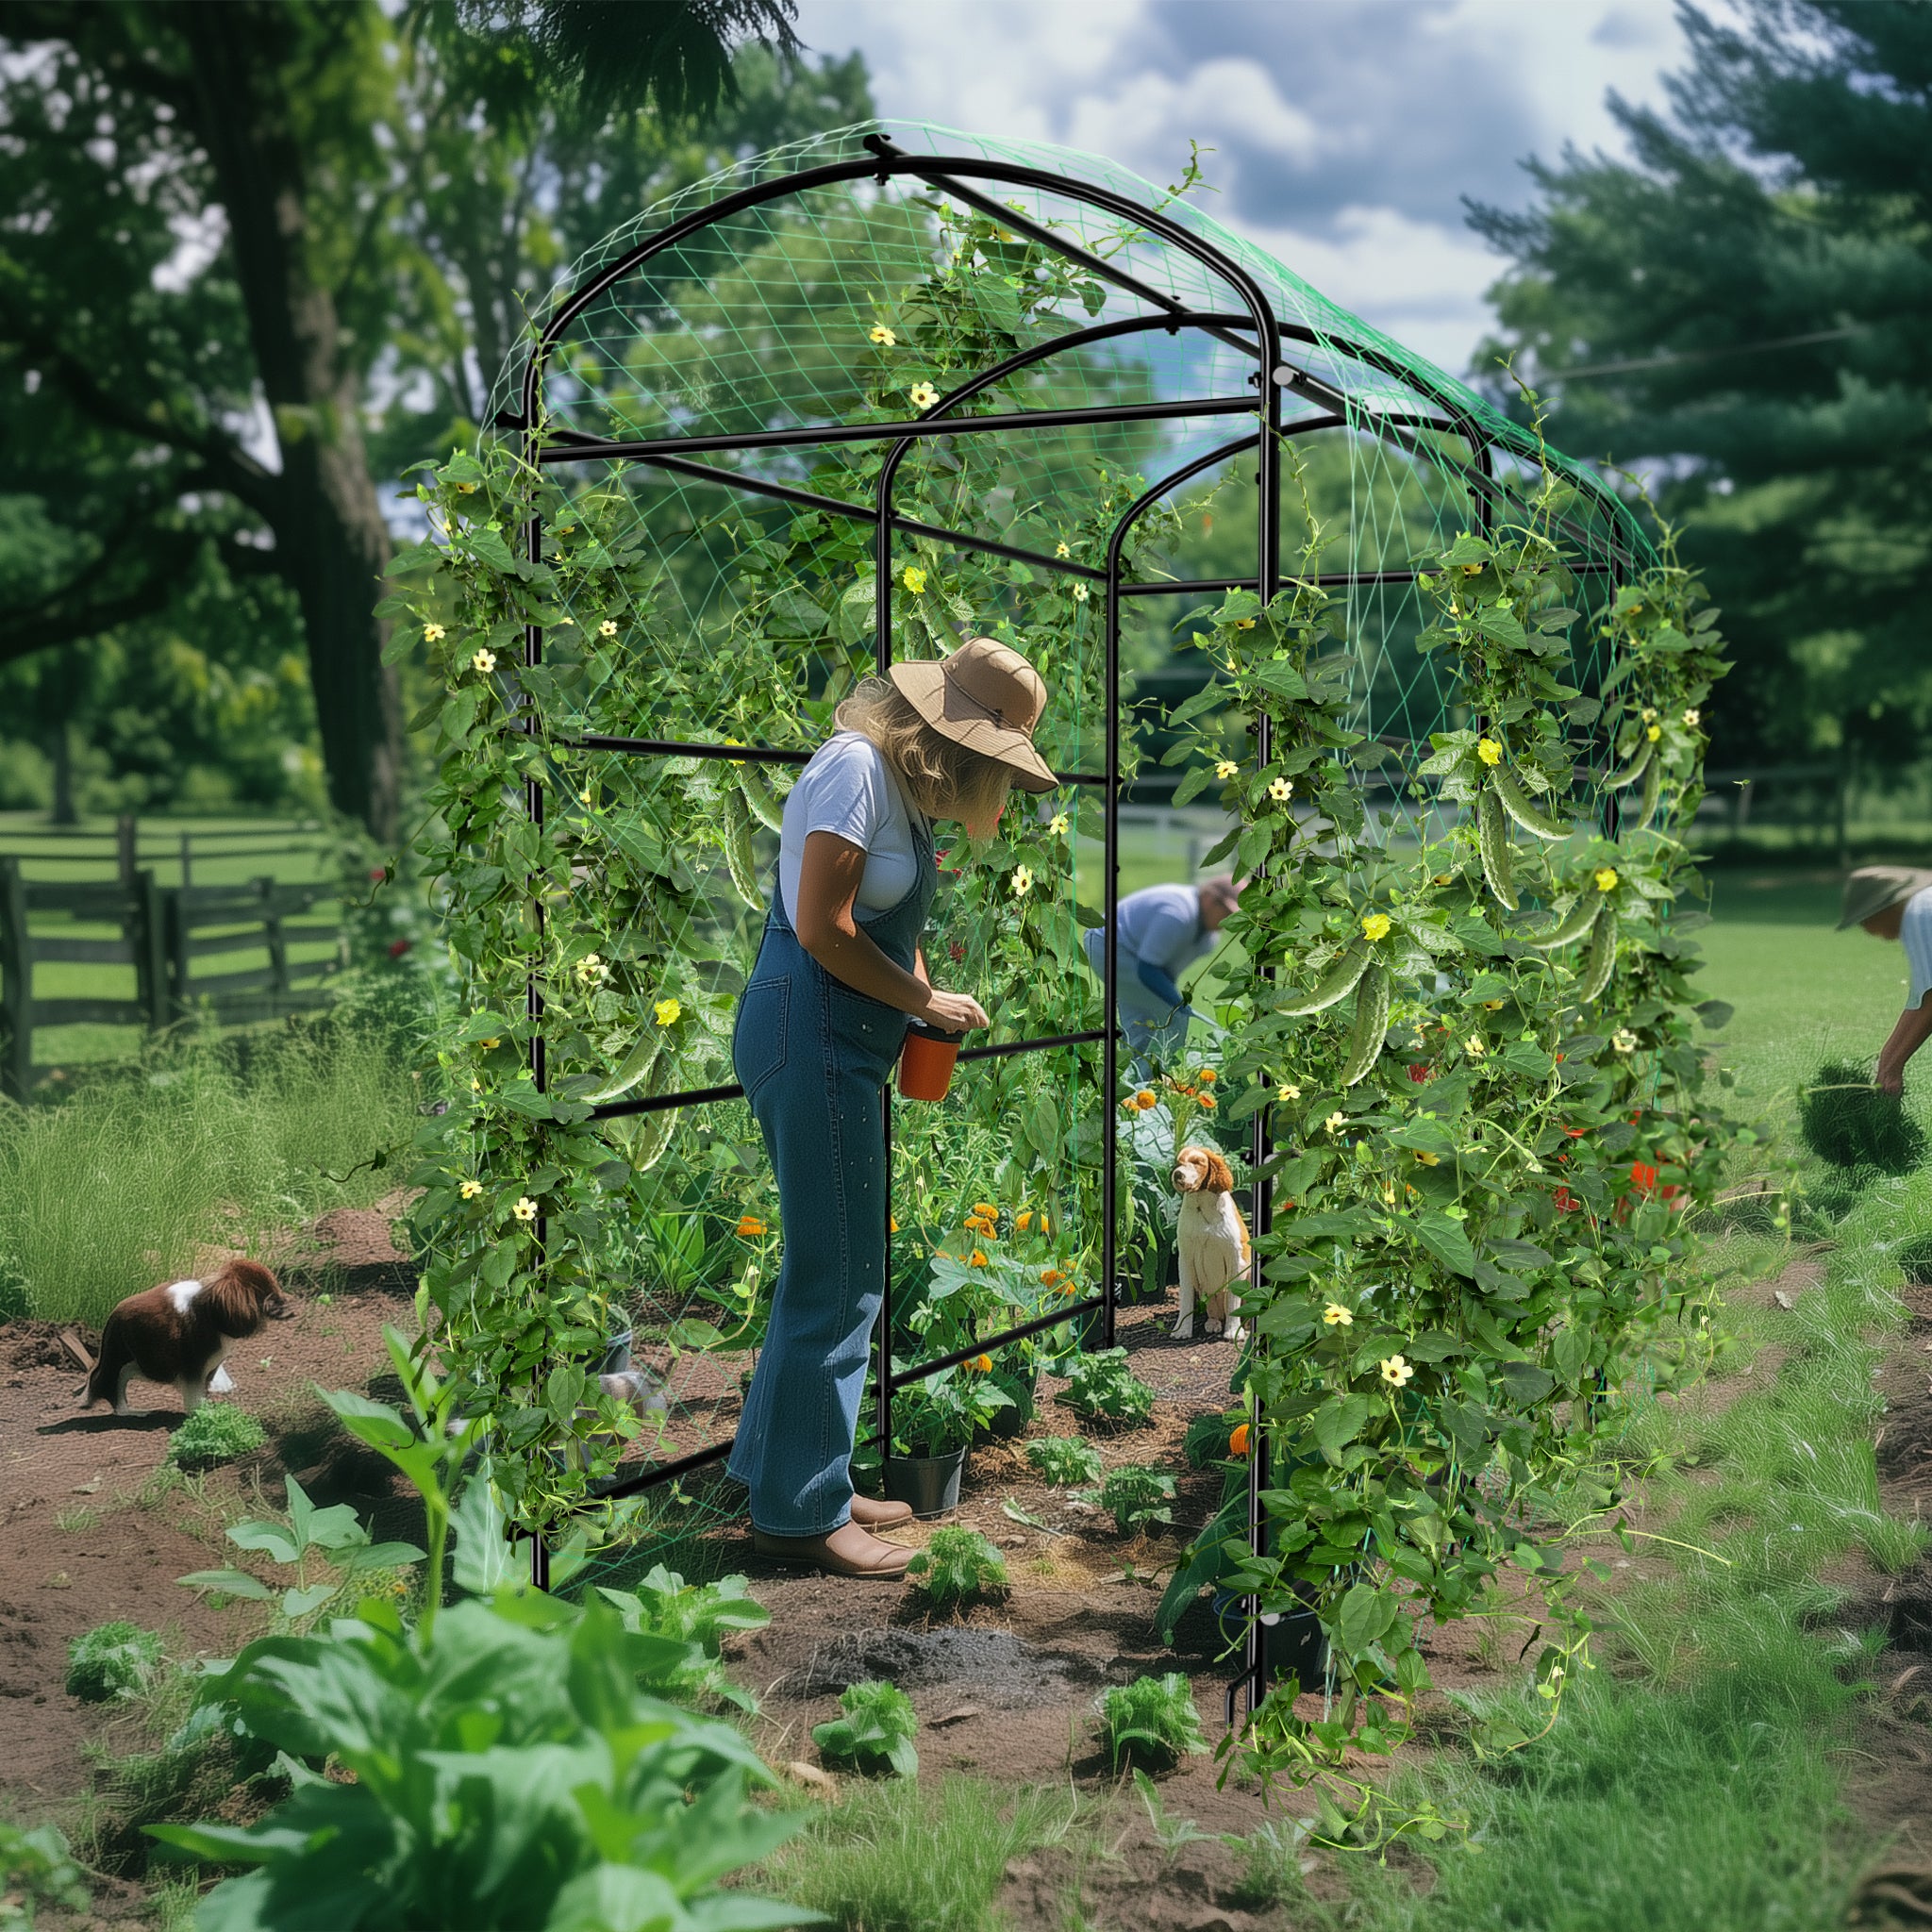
(929,1483)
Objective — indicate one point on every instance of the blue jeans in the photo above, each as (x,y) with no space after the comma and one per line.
(813,1057)
(1150,1024)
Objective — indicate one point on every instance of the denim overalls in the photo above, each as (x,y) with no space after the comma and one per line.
(813,1057)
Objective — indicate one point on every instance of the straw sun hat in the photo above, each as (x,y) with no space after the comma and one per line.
(1873,888)
(987,697)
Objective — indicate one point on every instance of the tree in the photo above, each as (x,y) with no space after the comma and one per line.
(210,270)
(1746,308)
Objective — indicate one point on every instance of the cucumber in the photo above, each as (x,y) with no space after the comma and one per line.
(1371,1024)
(1577,922)
(636,1067)
(1340,983)
(1492,843)
(1602,958)
(644,1137)
(740,861)
(1521,808)
(1622,781)
(1653,786)
(766,806)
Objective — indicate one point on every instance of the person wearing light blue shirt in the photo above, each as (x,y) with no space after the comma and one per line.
(1159,932)
(1894,902)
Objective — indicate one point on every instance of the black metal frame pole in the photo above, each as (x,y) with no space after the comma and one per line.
(882,662)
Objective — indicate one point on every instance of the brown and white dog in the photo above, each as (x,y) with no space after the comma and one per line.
(1213,1241)
(179,1332)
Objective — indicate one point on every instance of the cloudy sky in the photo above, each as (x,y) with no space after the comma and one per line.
(1346,131)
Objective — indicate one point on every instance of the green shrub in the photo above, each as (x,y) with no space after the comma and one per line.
(1206,1441)
(1914,1259)
(1847,1123)
(36,1867)
(697,1617)
(217,1432)
(875,1734)
(1134,1496)
(955,1565)
(111,1661)
(1063,1460)
(1101,1388)
(1153,1719)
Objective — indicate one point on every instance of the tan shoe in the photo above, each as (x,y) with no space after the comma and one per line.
(847,1551)
(869,1514)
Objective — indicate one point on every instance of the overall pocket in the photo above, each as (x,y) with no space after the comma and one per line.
(758,1036)
(865,1029)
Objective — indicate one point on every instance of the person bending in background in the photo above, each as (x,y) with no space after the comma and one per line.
(1894,902)
(1160,931)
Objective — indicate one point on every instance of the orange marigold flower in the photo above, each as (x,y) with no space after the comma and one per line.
(1144,1099)
(1238,1443)
(1023,1221)
(1208,1100)
(984,1207)
(1045,1227)
(979,1259)
(983,1363)
(1209,1077)
(749,1227)
(1049,1275)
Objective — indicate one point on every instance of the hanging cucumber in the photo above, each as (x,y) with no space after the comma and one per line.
(1492,843)
(1653,787)
(1340,983)
(636,1067)
(1372,1001)
(761,796)
(1622,781)
(1602,958)
(644,1137)
(739,859)
(1524,810)
(1577,922)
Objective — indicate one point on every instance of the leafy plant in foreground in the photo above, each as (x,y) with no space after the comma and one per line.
(1063,1460)
(875,1733)
(955,1565)
(112,1661)
(1101,1388)
(1153,1719)
(37,1865)
(1134,1496)
(1210,1437)
(216,1433)
(698,1617)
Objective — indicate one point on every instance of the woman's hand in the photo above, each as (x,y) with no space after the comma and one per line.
(953,1013)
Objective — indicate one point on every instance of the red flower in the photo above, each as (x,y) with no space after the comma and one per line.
(398,947)
(1419,1074)
(1566,1202)
(957,951)
(378,873)
(1643,1177)
(1576,1133)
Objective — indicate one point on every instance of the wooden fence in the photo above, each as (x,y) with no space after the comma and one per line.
(162,933)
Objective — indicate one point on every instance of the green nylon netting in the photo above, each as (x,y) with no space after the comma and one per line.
(760,614)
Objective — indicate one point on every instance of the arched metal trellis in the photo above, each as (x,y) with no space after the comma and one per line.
(732,262)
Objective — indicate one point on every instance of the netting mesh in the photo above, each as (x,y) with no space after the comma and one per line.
(752,342)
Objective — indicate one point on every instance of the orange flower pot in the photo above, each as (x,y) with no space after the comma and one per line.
(925,1062)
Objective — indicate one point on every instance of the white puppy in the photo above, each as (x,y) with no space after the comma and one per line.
(1214,1249)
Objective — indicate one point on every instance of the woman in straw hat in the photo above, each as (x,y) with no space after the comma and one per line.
(1894,902)
(839,977)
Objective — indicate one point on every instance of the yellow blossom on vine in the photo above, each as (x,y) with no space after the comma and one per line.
(470,1190)
(1396,1372)
(1023,1220)
(1624,1039)
(924,395)
(591,970)
(1338,1317)
(490,1044)
(1648,714)
(1022,881)
(1244,624)
(1653,732)
(1428,1160)
(1280,789)
(485,661)
(475,1085)
(1290,1092)
(1079,593)
(607,628)
(584,796)
(1056,825)
(1061,550)
(1605,878)
(525,1210)
(1375,926)
(1336,1121)
(913,578)
(1692,716)
(1473,1047)
(433,633)
(884,337)
(1489,751)
(667,1012)
(1225,767)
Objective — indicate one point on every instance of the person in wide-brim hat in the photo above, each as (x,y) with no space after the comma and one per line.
(1894,902)
(839,976)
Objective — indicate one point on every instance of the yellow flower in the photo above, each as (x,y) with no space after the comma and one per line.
(1022,881)
(1336,1121)
(1653,732)
(1045,1225)
(1605,878)
(485,661)
(1079,593)
(1692,716)
(1056,825)
(1279,790)
(749,1227)
(1023,1220)
(984,1207)
(1624,1039)
(470,1190)
(924,395)
(607,628)
(1337,1316)
(1375,926)
(488,1046)
(1225,767)
(1287,1092)
(1473,1047)
(884,337)
(432,633)
(1395,1372)
(894,1223)
(584,796)
(1144,1099)
(1648,714)
(667,1012)
(1489,751)
(1244,624)
(1061,550)
(475,1085)
(979,1259)
(913,578)
(591,971)
(467,488)
(1428,1160)
(525,1210)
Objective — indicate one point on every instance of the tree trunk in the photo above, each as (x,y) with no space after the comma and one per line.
(331,544)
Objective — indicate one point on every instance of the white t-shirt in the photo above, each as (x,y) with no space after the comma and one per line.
(848,789)
(1162,925)
(1915,930)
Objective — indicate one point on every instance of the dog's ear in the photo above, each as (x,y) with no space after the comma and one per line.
(1220,1175)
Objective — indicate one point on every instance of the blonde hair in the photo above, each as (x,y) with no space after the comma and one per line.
(941,776)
